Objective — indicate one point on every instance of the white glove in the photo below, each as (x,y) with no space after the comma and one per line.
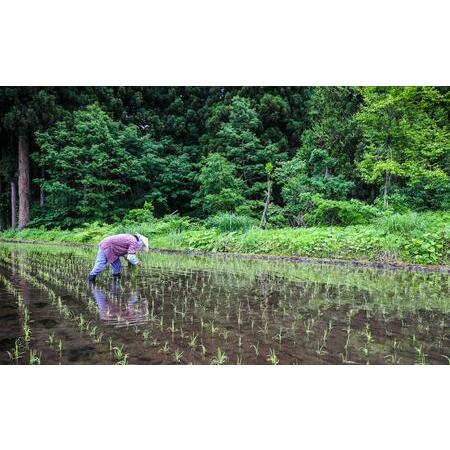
(132,258)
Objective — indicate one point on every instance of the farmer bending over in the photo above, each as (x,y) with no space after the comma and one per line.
(112,248)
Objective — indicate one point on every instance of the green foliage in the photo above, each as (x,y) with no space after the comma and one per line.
(140,215)
(407,136)
(100,153)
(90,167)
(421,239)
(228,222)
(338,212)
(404,223)
(233,131)
(220,189)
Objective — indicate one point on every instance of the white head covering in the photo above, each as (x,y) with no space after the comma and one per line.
(144,240)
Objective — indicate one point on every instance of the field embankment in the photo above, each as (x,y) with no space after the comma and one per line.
(397,239)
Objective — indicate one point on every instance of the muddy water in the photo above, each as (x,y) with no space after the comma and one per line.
(200,310)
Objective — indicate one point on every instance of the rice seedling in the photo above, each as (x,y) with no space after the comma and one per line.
(34,358)
(81,322)
(213,328)
(309,324)
(92,331)
(393,357)
(193,341)
(272,357)
(177,356)
(146,335)
(172,328)
(154,342)
(165,349)
(203,349)
(51,339)
(224,334)
(255,348)
(16,352)
(120,355)
(220,359)
(26,332)
(344,355)
(279,336)
(60,347)
(421,357)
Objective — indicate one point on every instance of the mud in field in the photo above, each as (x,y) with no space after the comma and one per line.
(185,309)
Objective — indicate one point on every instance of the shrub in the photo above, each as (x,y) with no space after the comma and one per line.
(170,224)
(397,203)
(403,223)
(140,215)
(339,212)
(228,222)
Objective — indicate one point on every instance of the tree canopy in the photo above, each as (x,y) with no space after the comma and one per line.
(98,152)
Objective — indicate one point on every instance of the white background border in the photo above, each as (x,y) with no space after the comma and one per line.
(207,42)
(228,43)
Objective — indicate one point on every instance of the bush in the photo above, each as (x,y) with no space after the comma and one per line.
(403,223)
(397,203)
(339,212)
(140,215)
(228,222)
(170,224)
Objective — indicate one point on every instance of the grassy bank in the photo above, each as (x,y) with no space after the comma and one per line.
(409,238)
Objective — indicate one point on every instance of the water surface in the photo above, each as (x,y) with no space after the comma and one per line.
(201,310)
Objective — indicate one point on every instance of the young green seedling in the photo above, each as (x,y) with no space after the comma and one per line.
(16,352)
(34,358)
(165,349)
(51,339)
(272,357)
(193,341)
(177,356)
(220,358)
(120,355)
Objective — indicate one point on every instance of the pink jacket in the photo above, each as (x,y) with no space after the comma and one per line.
(120,245)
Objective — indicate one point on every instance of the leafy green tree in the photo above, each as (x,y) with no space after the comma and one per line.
(91,168)
(233,132)
(220,190)
(407,137)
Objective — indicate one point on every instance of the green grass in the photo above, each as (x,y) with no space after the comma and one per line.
(410,238)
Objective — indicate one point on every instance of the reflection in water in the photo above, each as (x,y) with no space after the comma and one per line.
(119,308)
(248,310)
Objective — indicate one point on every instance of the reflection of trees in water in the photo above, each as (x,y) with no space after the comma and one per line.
(120,308)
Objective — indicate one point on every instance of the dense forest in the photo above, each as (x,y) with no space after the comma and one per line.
(284,156)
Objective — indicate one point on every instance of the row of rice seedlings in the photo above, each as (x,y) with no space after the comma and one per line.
(79,319)
(21,344)
(191,286)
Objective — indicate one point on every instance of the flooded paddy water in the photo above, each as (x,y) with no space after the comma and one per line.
(210,310)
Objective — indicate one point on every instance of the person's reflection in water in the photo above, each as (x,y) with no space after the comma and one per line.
(119,308)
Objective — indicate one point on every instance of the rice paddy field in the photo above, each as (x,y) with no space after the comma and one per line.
(212,310)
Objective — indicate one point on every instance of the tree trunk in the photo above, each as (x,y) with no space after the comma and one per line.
(266,204)
(24,181)
(387,182)
(13,205)
(42,195)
